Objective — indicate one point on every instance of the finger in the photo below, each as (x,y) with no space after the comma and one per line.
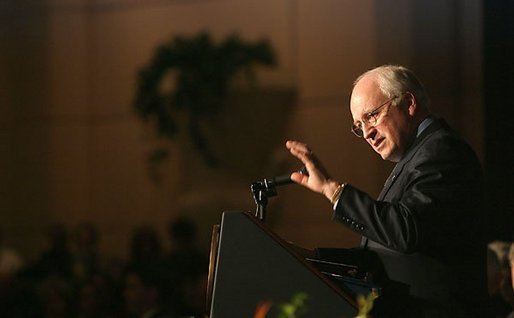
(299,178)
(301,156)
(307,158)
(298,146)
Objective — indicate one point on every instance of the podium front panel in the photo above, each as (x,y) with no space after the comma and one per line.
(254,265)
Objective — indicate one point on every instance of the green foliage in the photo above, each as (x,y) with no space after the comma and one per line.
(294,309)
(202,71)
(365,304)
(297,306)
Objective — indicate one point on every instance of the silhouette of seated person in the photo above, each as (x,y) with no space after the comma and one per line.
(146,248)
(511,282)
(55,259)
(146,294)
(10,263)
(498,279)
(94,299)
(86,263)
(188,265)
(10,260)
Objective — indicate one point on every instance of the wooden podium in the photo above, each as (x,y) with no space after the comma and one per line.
(251,264)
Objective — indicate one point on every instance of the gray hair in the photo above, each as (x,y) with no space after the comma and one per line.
(500,250)
(395,80)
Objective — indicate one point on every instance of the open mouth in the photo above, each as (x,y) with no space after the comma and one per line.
(378,142)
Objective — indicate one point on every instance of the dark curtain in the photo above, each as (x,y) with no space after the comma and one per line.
(499,121)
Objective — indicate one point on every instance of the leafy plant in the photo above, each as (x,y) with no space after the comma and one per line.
(365,304)
(293,309)
(199,72)
(297,307)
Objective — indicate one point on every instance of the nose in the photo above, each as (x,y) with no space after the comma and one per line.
(368,131)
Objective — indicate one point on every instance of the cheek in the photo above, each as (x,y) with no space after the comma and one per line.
(391,134)
(386,132)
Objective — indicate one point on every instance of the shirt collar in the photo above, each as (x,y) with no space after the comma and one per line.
(424,124)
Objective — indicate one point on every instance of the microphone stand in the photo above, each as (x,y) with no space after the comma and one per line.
(262,190)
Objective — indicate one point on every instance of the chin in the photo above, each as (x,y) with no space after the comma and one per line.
(384,154)
(388,156)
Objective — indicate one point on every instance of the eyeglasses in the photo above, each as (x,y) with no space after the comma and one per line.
(370,118)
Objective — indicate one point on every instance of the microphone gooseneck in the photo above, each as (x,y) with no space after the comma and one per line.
(283,179)
(262,190)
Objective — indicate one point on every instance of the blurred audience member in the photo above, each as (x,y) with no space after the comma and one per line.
(95,299)
(511,263)
(189,267)
(195,296)
(55,259)
(55,297)
(85,252)
(145,248)
(10,261)
(10,264)
(501,297)
(95,286)
(69,280)
(146,293)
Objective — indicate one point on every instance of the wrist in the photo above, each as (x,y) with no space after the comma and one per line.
(337,193)
(330,188)
(333,190)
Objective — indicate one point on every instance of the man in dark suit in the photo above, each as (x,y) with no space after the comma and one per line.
(425,226)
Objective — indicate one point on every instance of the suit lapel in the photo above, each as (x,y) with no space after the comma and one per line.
(390,180)
(437,124)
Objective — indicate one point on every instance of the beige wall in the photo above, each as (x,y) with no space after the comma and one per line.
(72,149)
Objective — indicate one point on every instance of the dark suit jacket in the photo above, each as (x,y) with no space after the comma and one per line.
(426,225)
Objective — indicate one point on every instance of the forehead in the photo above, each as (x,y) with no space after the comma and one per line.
(366,95)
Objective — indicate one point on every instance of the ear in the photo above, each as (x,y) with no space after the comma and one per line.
(412,105)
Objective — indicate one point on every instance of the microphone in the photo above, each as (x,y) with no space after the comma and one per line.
(267,188)
(283,179)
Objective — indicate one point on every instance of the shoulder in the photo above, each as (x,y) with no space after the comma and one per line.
(442,143)
(441,154)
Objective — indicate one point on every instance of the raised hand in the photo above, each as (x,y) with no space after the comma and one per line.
(318,179)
